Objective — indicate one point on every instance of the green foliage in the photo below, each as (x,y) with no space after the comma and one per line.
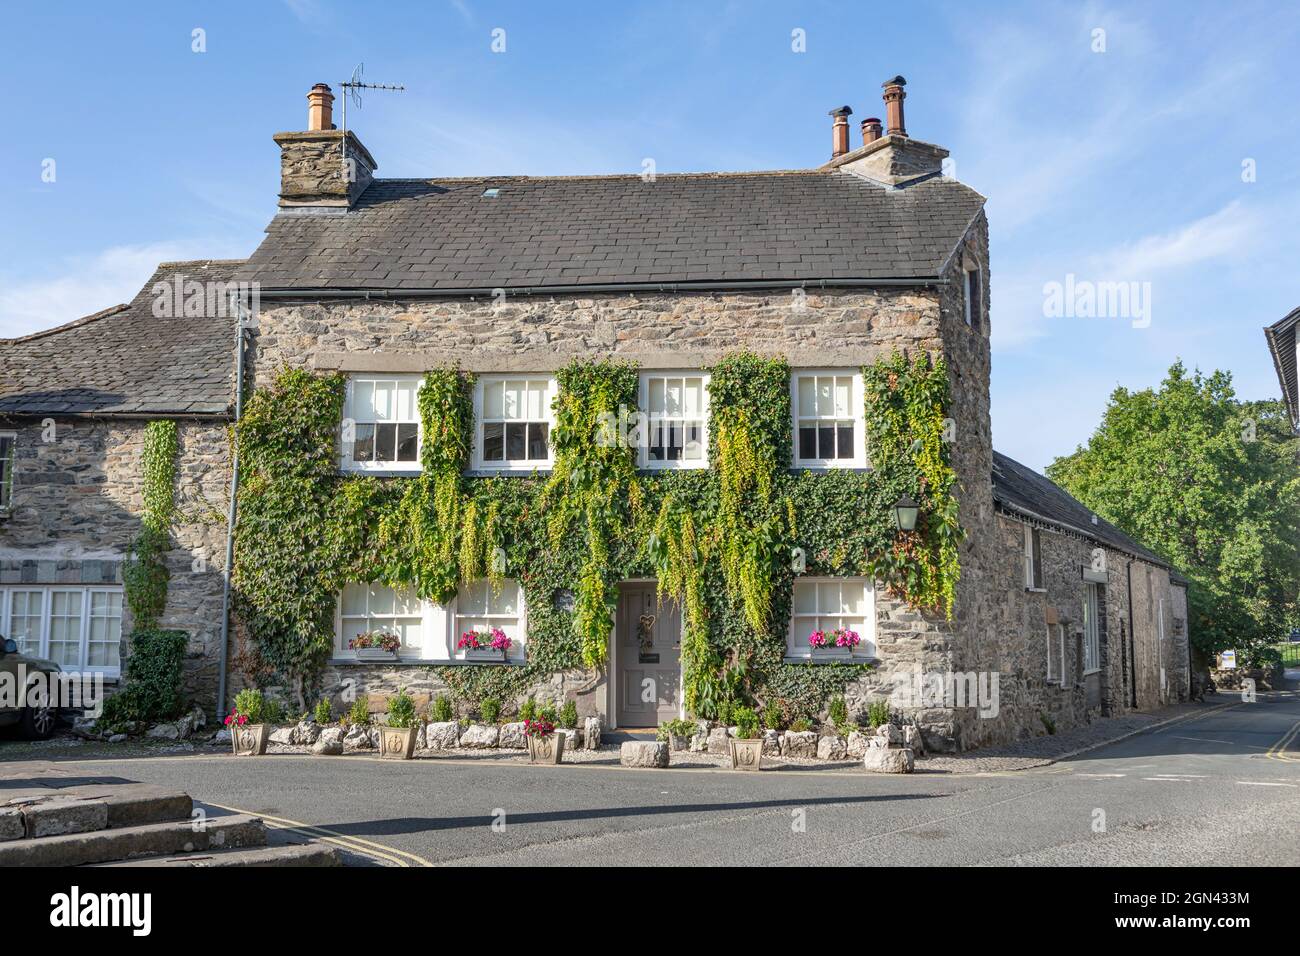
(546,712)
(401,710)
(153,679)
(773,714)
(676,728)
(145,576)
(1211,484)
(441,711)
(1048,724)
(250,703)
(717,540)
(568,718)
(839,712)
(746,722)
(324,713)
(801,724)
(490,710)
(274,710)
(878,713)
(906,414)
(359,713)
(590,487)
(528,709)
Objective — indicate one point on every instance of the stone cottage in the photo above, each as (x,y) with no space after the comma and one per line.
(1284,346)
(364,286)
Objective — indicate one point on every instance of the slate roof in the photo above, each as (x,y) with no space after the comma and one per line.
(1024,491)
(126,361)
(1282,338)
(444,236)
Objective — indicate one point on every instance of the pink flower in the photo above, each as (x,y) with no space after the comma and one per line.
(817,639)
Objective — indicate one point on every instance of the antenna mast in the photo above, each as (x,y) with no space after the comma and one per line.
(352,91)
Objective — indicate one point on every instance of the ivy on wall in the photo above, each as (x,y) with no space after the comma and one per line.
(145,576)
(718,540)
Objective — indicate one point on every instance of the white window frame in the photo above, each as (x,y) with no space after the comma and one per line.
(1091,630)
(796,647)
(110,672)
(7,467)
(429,628)
(519,642)
(548,416)
(1030,565)
(346,462)
(643,404)
(1056,634)
(857,414)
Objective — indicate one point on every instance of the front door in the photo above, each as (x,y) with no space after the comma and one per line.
(648,657)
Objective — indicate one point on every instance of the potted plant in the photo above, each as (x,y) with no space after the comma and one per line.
(544,744)
(397,736)
(747,746)
(248,735)
(839,642)
(484,644)
(376,646)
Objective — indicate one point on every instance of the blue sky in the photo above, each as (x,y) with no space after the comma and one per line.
(1122,165)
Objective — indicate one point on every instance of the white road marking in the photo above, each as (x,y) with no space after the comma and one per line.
(1168,779)
(1189,776)
(1260,783)
(1100,775)
(1206,740)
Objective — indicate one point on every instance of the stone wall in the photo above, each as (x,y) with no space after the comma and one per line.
(76,507)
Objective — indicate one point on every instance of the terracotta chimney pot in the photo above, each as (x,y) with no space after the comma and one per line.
(871,130)
(320,108)
(894,96)
(840,131)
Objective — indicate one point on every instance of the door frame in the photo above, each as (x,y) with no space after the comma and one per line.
(611,683)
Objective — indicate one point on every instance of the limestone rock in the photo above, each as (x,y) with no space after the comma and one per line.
(699,743)
(480,736)
(512,736)
(913,740)
(164,732)
(831,748)
(856,745)
(717,741)
(891,733)
(591,733)
(121,738)
(442,735)
(329,742)
(357,738)
(771,743)
(676,742)
(877,743)
(85,727)
(420,737)
(282,735)
(799,743)
(572,738)
(644,753)
(222,736)
(887,760)
(306,733)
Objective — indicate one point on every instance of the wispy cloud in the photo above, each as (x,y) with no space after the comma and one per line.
(85,285)
(1231,232)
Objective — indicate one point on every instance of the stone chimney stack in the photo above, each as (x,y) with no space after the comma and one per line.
(840,131)
(894,159)
(894,96)
(320,108)
(323,166)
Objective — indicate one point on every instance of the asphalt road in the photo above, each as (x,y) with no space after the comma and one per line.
(1202,791)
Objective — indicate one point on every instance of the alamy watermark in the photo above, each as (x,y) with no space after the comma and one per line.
(1085,299)
(179,297)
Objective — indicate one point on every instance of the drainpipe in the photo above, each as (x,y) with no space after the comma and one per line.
(230,518)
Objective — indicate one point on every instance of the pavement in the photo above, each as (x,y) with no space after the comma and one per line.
(1216,786)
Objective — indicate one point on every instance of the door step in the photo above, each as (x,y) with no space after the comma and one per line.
(121,843)
(308,854)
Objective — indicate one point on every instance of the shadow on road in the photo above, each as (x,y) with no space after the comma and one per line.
(423,824)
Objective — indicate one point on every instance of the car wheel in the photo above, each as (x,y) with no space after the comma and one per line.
(39,720)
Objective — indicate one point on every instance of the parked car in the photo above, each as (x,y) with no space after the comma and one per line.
(1295,635)
(37,722)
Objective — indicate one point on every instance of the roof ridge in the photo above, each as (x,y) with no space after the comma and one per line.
(716,174)
(74,323)
(191,262)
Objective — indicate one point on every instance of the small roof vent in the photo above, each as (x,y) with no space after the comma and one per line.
(492,192)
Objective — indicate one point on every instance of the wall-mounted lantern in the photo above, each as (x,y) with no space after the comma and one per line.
(905,512)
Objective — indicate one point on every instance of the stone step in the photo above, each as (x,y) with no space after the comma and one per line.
(85,808)
(308,854)
(121,843)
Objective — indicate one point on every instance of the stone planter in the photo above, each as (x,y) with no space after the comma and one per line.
(485,654)
(249,740)
(746,754)
(375,654)
(397,742)
(548,749)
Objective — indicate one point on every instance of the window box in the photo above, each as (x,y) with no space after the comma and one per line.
(483,655)
(375,654)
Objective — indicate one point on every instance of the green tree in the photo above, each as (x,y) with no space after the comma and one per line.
(1211,484)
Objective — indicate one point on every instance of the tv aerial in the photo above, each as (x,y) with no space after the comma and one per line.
(352,91)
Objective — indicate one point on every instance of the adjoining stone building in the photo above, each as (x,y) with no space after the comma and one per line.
(1059,615)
